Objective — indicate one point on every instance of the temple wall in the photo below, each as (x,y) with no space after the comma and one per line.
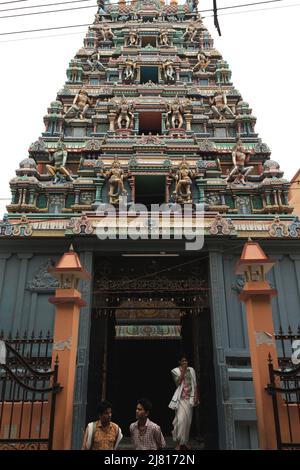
(24,306)
(24,302)
(235,393)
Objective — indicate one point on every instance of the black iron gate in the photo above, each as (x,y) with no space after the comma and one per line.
(28,389)
(284,387)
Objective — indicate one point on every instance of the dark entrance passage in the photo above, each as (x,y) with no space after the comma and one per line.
(142,369)
(147,312)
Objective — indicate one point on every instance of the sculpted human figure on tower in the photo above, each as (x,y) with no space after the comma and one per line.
(124,115)
(239,172)
(133,38)
(116,183)
(129,71)
(168,71)
(183,193)
(106,34)
(58,161)
(202,63)
(190,33)
(219,106)
(164,39)
(175,114)
(80,105)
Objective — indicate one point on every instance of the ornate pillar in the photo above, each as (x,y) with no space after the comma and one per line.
(257,295)
(31,196)
(111,118)
(201,185)
(285,197)
(99,182)
(188,120)
(268,198)
(67,301)
(77,195)
(24,192)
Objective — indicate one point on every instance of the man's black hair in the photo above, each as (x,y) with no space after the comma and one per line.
(103,406)
(182,356)
(146,404)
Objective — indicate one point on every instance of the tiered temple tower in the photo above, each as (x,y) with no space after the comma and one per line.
(149,115)
(149,110)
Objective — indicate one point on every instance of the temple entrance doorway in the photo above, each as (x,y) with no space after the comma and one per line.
(145,314)
(142,370)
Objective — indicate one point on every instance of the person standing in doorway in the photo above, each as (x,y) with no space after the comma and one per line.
(102,434)
(145,435)
(183,401)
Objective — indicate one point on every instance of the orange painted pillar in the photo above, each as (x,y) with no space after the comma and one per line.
(257,294)
(67,303)
(257,298)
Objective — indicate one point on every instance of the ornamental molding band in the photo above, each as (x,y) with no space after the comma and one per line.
(222,226)
(294,228)
(278,229)
(81,226)
(23,228)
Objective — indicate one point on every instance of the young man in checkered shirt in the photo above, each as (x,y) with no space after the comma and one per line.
(145,435)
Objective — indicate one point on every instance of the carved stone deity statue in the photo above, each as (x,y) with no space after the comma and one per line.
(164,39)
(94,62)
(183,192)
(80,105)
(133,39)
(202,63)
(129,71)
(58,161)
(124,114)
(106,34)
(190,33)
(116,183)
(175,115)
(219,106)
(239,172)
(168,71)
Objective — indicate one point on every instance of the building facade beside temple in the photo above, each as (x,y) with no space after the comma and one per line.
(149,116)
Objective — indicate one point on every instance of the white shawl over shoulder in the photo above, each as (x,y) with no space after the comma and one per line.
(176,397)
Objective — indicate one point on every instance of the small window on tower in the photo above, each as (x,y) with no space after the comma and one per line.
(220,132)
(148,41)
(150,123)
(149,74)
(79,132)
(203,81)
(94,81)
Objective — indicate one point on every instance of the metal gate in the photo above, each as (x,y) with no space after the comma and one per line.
(28,389)
(284,387)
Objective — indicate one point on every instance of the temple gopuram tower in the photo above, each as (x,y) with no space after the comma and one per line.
(149,115)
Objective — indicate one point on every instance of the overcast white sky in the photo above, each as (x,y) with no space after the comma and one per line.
(260,45)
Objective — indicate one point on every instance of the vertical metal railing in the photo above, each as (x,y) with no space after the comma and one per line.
(284,387)
(28,388)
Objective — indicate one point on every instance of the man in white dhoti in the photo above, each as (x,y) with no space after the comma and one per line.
(183,401)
